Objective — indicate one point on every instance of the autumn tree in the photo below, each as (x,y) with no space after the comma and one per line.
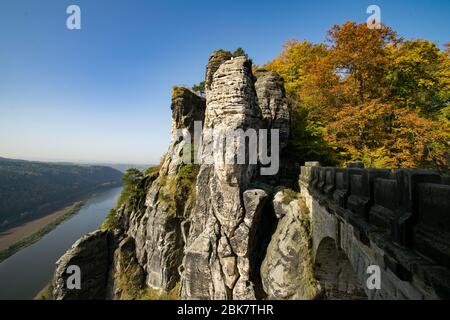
(382,135)
(418,76)
(360,59)
(307,73)
(309,83)
(367,95)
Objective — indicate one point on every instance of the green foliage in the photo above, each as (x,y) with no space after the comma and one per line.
(111,221)
(199,88)
(179,191)
(133,192)
(187,174)
(133,188)
(29,189)
(224,53)
(367,95)
(167,193)
(239,52)
(418,77)
(186,185)
(152,171)
(46,293)
(307,140)
(153,294)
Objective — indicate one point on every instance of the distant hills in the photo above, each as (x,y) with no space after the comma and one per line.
(29,188)
(124,167)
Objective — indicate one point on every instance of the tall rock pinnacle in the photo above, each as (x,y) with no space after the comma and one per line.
(216,263)
(157,226)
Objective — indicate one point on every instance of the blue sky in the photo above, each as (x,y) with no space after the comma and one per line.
(102,93)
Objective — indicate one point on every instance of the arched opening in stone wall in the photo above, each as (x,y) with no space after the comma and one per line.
(335,274)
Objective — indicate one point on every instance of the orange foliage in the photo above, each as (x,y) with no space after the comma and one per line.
(381,135)
(368,96)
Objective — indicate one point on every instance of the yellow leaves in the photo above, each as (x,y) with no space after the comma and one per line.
(306,71)
(381,135)
(369,96)
(419,76)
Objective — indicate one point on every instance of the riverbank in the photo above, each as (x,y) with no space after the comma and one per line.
(18,238)
(25,273)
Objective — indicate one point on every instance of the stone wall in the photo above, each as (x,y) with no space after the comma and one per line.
(395,219)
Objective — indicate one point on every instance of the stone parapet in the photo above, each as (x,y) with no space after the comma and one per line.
(405,212)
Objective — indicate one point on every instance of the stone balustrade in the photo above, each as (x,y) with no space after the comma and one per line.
(404,212)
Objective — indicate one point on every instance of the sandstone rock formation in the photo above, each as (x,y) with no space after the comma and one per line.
(211,259)
(92,255)
(215,61)
(157,225)
(205,225)
(272,101)
(222,256)
(287,268)
(127,276)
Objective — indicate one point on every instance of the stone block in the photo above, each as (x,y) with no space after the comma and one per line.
(385,203)
(312,164)
(330,175)
(359,200)
(434,206)
(407,183)
(340,194)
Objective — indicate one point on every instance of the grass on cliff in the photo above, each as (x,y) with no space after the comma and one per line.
(289,195)
(130,284)
(187,178)
(134,190)
(153,294)
(46,293)
(111,221)
(178,191)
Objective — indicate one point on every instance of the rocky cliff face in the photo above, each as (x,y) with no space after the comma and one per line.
(287,271)
(272,102)
(157,225)
(205,226)
(217,249)
(92,255)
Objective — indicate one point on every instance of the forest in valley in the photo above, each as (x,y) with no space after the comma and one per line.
(28,189)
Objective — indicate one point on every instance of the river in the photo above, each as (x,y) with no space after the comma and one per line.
(24,274)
